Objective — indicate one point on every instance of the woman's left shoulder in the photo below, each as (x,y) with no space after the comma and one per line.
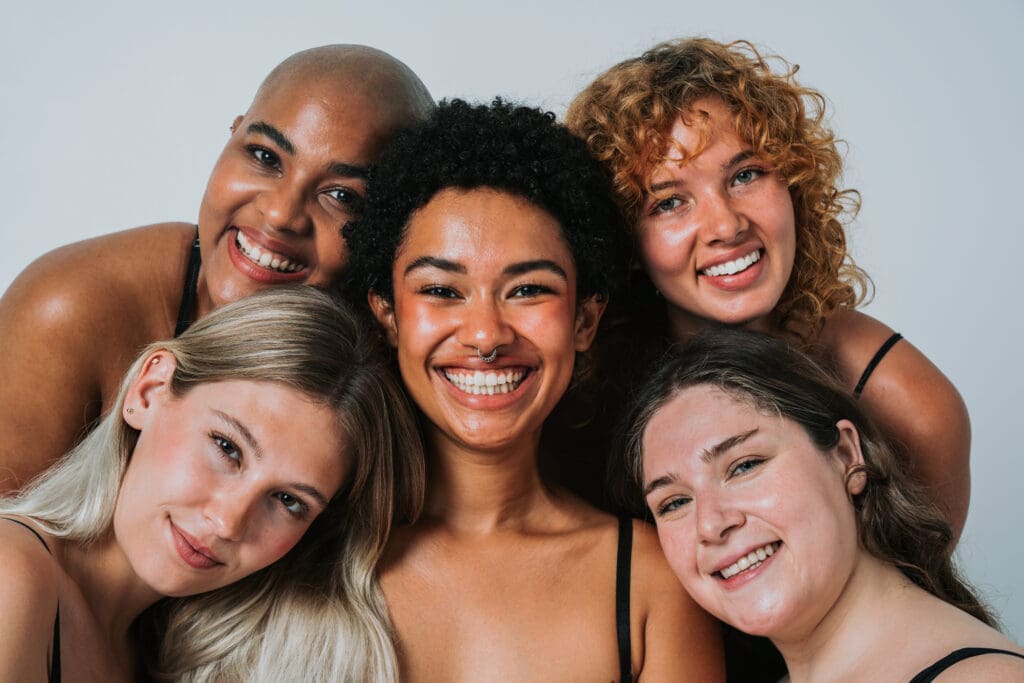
(677,636)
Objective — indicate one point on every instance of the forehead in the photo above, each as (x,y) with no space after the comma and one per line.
(472,226)
(335,117)
(706,124)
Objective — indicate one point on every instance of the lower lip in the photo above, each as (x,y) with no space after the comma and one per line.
(255,271)
(743,578)
(738,281)
(485,401)
(188,554)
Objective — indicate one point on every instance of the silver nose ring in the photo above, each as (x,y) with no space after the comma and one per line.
(489,358)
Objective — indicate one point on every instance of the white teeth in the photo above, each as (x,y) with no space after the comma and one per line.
(489,383)
(264,258)
(752,559)
(733,267)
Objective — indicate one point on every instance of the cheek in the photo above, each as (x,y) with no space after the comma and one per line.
(274,544)
(679,547)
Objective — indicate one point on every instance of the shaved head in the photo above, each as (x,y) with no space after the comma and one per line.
(357,71)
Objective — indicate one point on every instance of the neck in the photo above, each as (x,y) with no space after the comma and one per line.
(114,593)
(847,635)
(484,492)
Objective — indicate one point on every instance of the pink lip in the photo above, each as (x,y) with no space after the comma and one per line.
(739,281)
(748,575)
(257,272)
(191,551)
(739,252)
(484,401)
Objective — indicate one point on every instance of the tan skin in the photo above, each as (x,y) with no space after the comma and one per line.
(291,174)
(724,205)
(505,577)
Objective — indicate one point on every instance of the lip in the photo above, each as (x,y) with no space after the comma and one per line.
(495,401)
(748,575)
(255,271)
(191,551)
(737,281)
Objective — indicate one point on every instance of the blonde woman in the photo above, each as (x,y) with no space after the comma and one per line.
(260,460)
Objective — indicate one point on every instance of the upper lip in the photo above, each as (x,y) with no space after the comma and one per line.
(731,255)
(263,241)
(736,556)
(196,545)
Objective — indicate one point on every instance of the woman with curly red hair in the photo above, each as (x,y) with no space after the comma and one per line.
(728,176)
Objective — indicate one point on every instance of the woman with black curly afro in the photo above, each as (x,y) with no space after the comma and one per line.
(487,251)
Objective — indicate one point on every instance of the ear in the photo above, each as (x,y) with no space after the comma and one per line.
(851,457)
(150,388)
(384,311)
(235,124)
(588,315)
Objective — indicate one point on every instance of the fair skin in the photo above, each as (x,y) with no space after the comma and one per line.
(758,524)
(505,577)
(292,173)
(223,481)
(718,239)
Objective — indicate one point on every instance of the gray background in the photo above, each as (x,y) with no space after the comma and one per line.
(112,114)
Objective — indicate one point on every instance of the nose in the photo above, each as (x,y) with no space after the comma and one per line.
(228,512)
(484,325)
(716,518)
(722,221)
(283,206)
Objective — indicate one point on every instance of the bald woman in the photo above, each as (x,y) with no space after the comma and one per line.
(292,173)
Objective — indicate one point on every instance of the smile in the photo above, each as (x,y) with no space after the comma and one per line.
(751,560)
(191,551)
(265,258)
(733,267)
(486,383)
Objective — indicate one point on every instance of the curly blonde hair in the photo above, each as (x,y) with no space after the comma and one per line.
(626,115)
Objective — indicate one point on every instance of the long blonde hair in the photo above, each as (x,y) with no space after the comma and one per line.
(317,614)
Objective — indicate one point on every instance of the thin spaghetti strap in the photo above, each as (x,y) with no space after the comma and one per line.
(34,532)
(188,292)
(875,360)
(622,581)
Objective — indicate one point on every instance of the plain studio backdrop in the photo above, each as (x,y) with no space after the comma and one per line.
(111,116)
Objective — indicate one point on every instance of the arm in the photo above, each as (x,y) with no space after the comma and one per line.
(675,639)
(29,596)
(914,405)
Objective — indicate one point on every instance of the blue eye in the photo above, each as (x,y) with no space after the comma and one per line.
(292,504)
(672,504)
(666,205)
(745,466)
(748,175)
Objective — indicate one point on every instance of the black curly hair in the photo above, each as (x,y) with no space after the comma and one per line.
(501,146)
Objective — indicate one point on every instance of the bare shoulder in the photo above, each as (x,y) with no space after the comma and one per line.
(993,666)
(28,592)
(680,640)
(914,403)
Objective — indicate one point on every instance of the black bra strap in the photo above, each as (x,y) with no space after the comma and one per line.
(955,656)
(34,532)
(622,572)
(188,294)
(875,360)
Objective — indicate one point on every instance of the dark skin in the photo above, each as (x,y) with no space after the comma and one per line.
(292,173)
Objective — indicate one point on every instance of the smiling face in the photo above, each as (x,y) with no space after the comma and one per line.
(753,517)
(481,270)
(223,481)
(292,174)
(717,233)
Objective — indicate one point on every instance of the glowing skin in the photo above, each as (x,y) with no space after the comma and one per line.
(223,481)
(717,233)
(477,270)
(292,174)
(766,489)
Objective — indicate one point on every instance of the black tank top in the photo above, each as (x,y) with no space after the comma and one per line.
(188,292)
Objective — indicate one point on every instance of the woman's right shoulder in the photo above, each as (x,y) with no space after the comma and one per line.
(87,285)
(29,594)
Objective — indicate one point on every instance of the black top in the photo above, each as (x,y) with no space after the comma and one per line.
(188,292)
(875,360)
(622,573)
(55,658)
(932,672)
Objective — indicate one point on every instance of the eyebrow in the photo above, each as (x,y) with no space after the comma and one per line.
(706,455)
(735,159)
(520,268)
(257,451)
(281,140)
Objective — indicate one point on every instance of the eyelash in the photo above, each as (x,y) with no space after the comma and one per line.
(303,509)
(754,463)
(226,446)
(670,505)
(439,291)
(757,172)
(264,157)
(530,290)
